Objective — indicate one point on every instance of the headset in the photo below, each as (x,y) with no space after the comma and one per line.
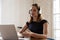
(30,12)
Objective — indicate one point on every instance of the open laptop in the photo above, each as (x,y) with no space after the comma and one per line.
(8,32)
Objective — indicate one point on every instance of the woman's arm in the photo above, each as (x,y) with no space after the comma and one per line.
(44,35)
(23,29)
(35,35)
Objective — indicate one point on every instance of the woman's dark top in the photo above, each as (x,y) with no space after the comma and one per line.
(36,27)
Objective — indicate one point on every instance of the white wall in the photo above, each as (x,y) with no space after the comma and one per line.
(0,9)
(46,6)
(15,11)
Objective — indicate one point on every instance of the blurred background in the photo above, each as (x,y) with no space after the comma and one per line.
(17,12)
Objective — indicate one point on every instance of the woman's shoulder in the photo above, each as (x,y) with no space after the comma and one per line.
(44,21)
(28,22)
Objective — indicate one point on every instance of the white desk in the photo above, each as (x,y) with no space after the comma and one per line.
(19,35)
(19,38)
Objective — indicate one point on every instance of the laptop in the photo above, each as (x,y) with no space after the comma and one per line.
(8,32)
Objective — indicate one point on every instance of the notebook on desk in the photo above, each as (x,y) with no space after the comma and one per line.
(8,32)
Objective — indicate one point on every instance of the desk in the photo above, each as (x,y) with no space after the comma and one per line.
(19,35)
(19,38)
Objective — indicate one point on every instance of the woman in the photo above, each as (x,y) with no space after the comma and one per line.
(37,27)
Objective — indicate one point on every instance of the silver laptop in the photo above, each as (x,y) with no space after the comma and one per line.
(8,32)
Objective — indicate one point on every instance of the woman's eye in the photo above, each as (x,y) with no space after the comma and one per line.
(33,10)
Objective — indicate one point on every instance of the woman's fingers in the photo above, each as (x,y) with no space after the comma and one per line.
(26,34)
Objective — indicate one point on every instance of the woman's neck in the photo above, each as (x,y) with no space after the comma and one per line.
(34,18)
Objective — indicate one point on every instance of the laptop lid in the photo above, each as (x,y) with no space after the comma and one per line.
(8,32)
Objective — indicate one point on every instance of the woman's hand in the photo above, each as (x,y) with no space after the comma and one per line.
(27,34)
(24,28)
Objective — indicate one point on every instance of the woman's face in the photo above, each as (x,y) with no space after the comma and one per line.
(34,11)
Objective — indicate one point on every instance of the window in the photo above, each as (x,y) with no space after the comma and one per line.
(56,19)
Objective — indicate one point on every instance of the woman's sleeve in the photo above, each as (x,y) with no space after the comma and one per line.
(45,21)
(27,23)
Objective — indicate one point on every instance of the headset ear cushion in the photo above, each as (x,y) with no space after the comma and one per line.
(30,11)
(38,8)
